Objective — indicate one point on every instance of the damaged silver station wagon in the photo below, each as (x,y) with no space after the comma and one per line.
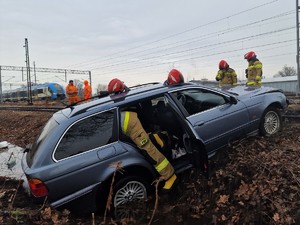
(71,160)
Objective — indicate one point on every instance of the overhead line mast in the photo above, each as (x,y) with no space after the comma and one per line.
(29,93)
(46,70)
(298,47)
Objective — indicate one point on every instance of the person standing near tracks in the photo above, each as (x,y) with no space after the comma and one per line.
(72,93)
(87,90)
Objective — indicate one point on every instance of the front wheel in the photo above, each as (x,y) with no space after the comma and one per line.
(271,122)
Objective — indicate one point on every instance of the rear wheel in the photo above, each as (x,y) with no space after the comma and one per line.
(129,194)
(271,122)
(129,189)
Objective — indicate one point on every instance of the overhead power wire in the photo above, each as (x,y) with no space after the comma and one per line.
(203,37)
(198,57)
(197,48)
(194,40)
(179,33)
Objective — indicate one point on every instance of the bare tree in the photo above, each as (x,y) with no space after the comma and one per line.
(286,72)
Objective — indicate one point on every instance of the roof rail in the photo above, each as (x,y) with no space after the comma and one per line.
(143,85)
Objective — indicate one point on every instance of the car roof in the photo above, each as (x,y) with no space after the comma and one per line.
(143,91)
(135,92)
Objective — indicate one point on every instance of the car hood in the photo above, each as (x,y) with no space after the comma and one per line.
(242,91)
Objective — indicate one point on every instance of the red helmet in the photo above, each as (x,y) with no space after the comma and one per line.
(115,86)
(85,82)
(249,55)
(223,65)
(175,77)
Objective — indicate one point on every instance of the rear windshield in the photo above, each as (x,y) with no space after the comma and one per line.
(46,130)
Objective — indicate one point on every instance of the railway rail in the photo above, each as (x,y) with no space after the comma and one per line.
(290,114)
(30,108)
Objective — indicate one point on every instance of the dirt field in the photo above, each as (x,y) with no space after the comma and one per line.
(254,181)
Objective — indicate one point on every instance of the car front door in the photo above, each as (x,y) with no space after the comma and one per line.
(216,117)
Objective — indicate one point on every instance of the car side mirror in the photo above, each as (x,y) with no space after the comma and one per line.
(233,100)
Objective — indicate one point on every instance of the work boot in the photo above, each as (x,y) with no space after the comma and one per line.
(169,183)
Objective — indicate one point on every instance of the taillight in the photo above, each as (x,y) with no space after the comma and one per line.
(37,187)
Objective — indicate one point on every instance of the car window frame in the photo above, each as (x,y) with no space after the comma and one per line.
(114,134)
(184,110)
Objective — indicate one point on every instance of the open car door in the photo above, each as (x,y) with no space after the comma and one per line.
(197,150)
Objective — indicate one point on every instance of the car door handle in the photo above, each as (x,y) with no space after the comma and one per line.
(106,153)
(199,123)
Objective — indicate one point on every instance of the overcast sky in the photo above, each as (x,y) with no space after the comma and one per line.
(139,41)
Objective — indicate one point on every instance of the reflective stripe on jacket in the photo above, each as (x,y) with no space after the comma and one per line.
(227,77)
(132,127)
(254,72)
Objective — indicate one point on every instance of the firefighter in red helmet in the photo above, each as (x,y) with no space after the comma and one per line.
(115,86)
(132,127)
(226,75)
(254,70)
(174,77)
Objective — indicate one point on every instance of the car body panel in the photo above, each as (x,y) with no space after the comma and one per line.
(207,131)
(219,125)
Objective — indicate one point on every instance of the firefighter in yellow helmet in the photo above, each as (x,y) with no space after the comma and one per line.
(254,70)
(226,75)
(72,93)
(87,90)
(132,127)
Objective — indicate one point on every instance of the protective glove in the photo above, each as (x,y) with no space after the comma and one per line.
(246,72)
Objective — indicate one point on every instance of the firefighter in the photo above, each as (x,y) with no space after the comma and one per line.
(132,127)
(226,75)
(174,77)
(72,93)
(87,90)
(254,70)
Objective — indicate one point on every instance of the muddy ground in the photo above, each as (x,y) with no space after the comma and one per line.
(253,181)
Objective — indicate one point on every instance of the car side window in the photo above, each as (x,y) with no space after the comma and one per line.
(87,134)
(199,100)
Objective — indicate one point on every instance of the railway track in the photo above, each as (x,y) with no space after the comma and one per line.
(31,108)
(290,115)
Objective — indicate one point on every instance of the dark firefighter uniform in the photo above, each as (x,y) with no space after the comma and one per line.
(226,77)
(254,72)
(132,127)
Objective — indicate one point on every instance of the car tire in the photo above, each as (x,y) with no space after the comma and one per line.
(130,189)
(127,194)
(271,122)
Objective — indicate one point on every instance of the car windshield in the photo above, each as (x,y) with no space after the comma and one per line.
(46,130)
